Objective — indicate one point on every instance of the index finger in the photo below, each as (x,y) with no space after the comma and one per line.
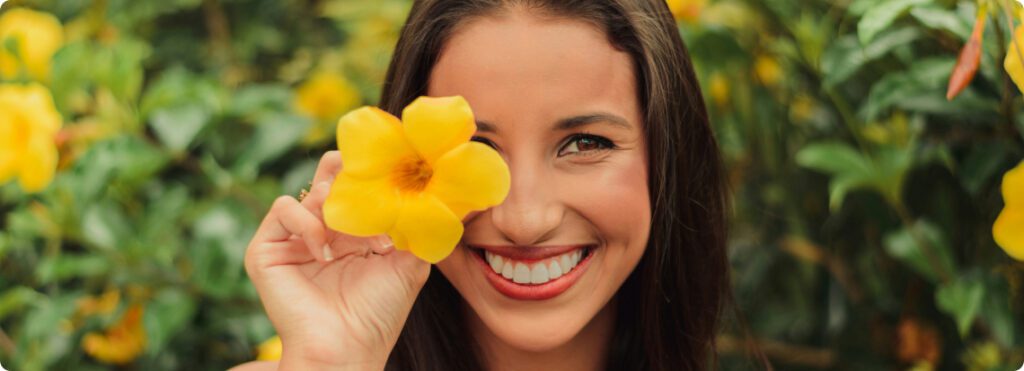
(329,166)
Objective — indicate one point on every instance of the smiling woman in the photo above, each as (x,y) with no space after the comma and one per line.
(608,251)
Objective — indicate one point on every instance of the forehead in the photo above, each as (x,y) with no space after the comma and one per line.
(516,66)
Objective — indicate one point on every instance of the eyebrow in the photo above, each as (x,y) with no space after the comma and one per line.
(569,123)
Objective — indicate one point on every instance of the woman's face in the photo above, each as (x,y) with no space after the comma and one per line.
(559,103)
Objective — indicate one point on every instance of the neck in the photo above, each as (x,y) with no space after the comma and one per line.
(586,350)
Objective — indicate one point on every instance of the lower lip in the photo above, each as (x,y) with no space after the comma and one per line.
(542,291)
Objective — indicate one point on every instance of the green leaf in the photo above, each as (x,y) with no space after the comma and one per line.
(925,77)
(859,7)
(881,16)
(65,266)
(275,135)
(16,298)
(105,226)
(846,56)
(835,158)
(177,127)
(981,165)
(840,186)
(961,299)
(941,19)
(178,87)
(996,311)
(257,100)
(904,246)
(166,315)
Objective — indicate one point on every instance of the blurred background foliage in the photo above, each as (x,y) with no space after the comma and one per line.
(864,200)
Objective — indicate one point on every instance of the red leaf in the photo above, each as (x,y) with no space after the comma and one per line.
(967,63)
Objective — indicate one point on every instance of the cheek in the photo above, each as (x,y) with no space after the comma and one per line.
(615,200)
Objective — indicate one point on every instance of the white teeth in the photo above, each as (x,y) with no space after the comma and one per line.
(539,274)
(507,271)
(496,262)
(554,271)
(522,274)
(536,273)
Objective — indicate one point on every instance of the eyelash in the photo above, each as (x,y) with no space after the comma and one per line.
(604,143)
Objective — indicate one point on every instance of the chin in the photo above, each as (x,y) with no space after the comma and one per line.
(536,333)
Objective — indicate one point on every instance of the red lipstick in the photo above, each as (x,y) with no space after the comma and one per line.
(527,291)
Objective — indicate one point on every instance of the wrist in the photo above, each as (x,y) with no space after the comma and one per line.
(299,362)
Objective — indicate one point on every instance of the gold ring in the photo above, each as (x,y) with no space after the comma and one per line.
(305,192)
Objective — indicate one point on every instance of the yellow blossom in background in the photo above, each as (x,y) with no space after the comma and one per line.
(686,10)
(1008,230)
(1014,60)
(36,36)
(269,350)
(414,179)
(324,97)
(28,126)
(802,108)
(719,89)
(121,343)
(104,304)
(767,70)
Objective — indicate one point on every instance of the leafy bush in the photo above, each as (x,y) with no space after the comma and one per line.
(864,200)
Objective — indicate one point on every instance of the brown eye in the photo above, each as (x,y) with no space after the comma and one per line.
(584,143)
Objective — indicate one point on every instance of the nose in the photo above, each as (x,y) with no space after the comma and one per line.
(531,212)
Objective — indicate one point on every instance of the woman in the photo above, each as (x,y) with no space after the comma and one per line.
(616,178)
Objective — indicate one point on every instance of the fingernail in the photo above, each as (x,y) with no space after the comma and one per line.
(328,256)
(386,242)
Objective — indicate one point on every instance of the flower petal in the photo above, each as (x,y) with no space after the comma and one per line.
(38,168)
(1008,232)
(436,125)
(427,228)
(1013,186)
(361,207)
(470,177)
(371,143)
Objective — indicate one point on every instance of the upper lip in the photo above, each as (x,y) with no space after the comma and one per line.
(528,253)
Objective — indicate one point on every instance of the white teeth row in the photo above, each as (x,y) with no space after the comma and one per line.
(541,272)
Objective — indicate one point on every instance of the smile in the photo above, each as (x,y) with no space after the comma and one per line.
(535,274)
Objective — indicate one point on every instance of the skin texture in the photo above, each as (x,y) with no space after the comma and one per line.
(522,73)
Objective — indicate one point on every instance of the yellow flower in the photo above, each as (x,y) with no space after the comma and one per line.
(686,10)
(324,97)
(36,36)
(767,70)
(719,89)
(415,180)
(802,108)
(121,343)
(1013,63)
(104,304)
(1008,230)
(28,126)
(269,350)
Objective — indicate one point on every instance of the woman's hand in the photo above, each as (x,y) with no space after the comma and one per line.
(335,300)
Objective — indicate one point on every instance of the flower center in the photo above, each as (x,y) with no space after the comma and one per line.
(412,175)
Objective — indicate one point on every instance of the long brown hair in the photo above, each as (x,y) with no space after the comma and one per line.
(669,307)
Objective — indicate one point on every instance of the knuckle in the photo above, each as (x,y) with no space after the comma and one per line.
(255,260)
(282,202)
